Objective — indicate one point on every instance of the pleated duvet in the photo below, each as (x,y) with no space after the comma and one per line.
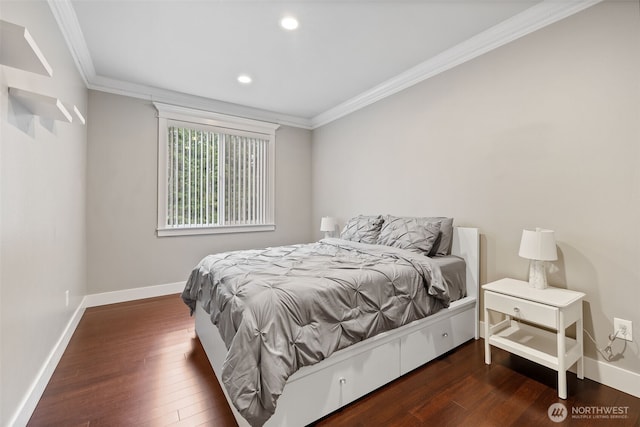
(278,309)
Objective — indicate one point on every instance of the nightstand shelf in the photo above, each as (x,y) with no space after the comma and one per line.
(531,314)
(535,344)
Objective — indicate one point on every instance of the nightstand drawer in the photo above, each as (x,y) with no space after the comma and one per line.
(520,309)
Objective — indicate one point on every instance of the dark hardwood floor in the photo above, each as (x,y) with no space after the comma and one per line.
(140,364)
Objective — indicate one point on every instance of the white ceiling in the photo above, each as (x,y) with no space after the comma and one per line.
(344,52)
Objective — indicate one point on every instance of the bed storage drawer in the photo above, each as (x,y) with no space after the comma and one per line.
(354,375)
(429,342)
(337,384)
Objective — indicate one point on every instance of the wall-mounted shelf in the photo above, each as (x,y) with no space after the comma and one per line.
(19,50)
(79,114)
(41,105)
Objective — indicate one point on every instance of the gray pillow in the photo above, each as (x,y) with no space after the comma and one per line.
(409,233)
(363,229)
(442,246)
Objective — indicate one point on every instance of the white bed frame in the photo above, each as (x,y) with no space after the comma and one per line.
(317,390)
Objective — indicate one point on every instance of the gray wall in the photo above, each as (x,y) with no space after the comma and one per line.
(42,210)
(123,249)
(544,131)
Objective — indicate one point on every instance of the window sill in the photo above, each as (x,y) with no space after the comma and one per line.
(223,229)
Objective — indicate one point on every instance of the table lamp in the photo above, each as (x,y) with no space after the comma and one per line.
(328,225)
(538,245)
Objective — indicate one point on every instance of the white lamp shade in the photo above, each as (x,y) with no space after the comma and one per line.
(327,224)
(538,244)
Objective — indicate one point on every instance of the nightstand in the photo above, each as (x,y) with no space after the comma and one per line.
(531,316)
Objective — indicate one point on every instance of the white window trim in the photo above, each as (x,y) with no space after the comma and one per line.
(167,113)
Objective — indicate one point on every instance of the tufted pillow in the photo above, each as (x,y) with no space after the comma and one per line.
(409,233)
(362,228)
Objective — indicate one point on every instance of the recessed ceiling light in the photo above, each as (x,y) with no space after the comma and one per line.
(289,23)
(244,79)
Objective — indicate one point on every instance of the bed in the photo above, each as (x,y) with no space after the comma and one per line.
(403,327)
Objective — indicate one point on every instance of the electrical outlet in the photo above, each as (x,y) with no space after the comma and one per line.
(66,298)
(627,334)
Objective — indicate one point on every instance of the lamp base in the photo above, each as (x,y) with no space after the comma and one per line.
(537,274)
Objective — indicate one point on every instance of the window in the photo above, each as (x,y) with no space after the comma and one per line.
(215,172)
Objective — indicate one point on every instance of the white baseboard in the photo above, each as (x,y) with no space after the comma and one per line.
(124,295)
(612,376)
(32,397)
(605,373)
(30,401)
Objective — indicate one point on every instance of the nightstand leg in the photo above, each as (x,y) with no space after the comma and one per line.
(579,339)
(487,348)
(562,368)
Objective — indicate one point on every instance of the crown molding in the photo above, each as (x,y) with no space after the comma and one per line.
(545,13)
(67,20)
(155,94)
(532,19)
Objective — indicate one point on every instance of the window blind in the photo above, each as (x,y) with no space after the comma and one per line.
(216,178)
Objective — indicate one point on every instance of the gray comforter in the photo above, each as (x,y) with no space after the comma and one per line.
(278,309)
